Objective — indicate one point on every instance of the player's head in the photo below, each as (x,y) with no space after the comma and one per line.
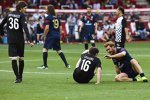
(120,11)
(21,6)
(93,51)
(50,10)
(89,8)
(110,47)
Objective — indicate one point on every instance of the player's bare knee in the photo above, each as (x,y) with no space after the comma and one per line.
(117,79)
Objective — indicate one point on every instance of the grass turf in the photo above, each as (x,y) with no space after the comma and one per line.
(57,83)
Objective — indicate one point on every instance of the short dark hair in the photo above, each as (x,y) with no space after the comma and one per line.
(51,10)
(21,5)
(121,9)
(109,43)
(93,51)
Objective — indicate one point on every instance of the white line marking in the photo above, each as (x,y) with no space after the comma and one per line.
(8,71)
(59,73)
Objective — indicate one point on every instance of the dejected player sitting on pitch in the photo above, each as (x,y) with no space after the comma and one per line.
(86,66)
(126,67)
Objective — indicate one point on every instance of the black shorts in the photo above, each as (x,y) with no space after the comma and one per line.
(82,77)
(131,74)
(16,49)
(52,43)
(129,71)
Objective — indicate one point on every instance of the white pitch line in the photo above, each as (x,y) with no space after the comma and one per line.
(45,73)
(42,73)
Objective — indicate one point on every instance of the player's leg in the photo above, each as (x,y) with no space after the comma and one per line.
(123,77)
(20,50)
(92,40)
(137,68)
(86,38)
(62,56)
(45,56)
(56,46)
(13,55)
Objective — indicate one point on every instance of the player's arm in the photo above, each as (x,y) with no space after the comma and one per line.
(124,23)
(117,70)
(81,26)
(77,65)
(46,30)
(2,25)
(116,56)
(99,74)
(24,24)
(47,25)
(60,29)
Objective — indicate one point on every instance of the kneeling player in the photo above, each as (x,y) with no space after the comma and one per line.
(126,67)
(86,66)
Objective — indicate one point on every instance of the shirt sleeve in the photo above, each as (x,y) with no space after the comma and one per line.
(47,21)
(24,25)
(98,64)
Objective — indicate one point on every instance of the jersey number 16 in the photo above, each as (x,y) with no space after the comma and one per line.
(85,65)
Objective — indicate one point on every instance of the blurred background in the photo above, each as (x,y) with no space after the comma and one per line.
(137,13)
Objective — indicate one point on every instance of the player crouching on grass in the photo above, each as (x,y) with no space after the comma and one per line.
(126,67)
(86,66)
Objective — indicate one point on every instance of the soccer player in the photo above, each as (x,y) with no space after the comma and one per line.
(89,25)
(127,68)
(15,24)
(121,30)
(52,36)
(86,65)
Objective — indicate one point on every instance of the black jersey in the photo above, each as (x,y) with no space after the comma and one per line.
(123,63)
(89,21)
(16,22)
(88,64)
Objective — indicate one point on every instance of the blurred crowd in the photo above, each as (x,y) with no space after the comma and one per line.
(74,4)
(138,23)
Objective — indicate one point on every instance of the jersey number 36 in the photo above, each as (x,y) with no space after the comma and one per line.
(13,23)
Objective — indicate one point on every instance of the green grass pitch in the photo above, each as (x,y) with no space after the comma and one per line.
(57,83)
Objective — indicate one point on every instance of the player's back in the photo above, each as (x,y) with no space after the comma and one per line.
(54,26)
(88,63)
(14,27)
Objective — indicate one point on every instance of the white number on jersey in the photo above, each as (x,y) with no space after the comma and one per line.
(13,23)
(85,65)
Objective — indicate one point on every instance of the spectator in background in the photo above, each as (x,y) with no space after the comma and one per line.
(96,5)
(71,20)
(140,28)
